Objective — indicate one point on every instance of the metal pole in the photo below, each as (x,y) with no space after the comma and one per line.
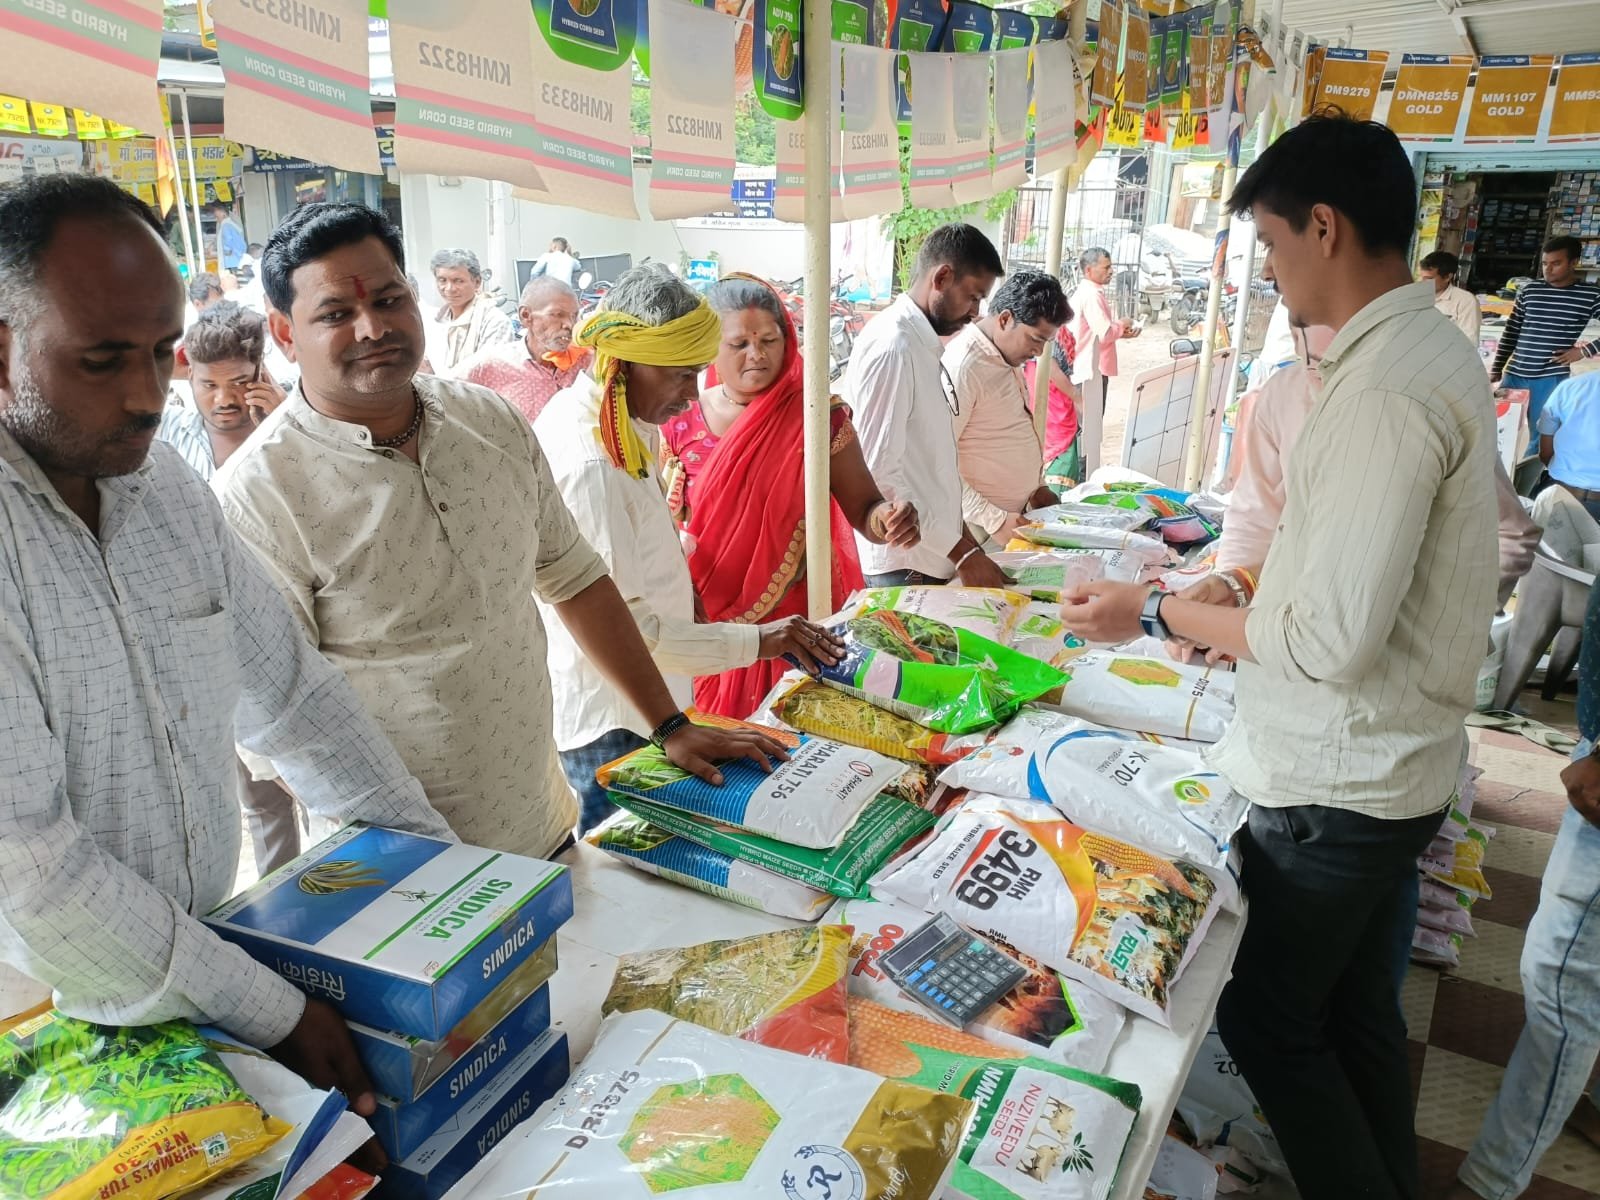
(194,187)
(183,216)
(1055,236)
(1194,463)
(820,133)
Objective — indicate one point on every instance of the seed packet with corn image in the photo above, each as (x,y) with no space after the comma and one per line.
(662,1107)
(988,612)
(784,989)
(1040,1130)
(946,679)
(142,1113)
(822,711)
(1043,1015)
(812,800)
(641,845)
(1105,914)
(1074,535)
(1148,695)
(1466,870)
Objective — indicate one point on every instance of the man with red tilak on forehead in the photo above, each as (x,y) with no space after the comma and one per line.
(411,521)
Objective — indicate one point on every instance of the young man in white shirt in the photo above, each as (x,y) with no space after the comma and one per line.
(902,405)
(1358,658)
(411,521)
(138,638)
(617,502)
(997,444)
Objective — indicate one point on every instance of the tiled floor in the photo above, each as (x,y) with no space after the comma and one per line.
(1464,1023)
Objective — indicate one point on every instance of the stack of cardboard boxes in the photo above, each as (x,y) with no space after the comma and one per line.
(439,957)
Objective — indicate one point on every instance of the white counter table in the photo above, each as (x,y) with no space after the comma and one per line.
(623,911)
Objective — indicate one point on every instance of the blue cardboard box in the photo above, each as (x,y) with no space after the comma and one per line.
(397,931)
(402,1127)
(537,1074)
(404,1067)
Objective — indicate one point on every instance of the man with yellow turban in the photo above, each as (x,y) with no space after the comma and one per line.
(651,340)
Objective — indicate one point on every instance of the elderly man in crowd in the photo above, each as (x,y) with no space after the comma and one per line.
(545,361)
(652,338)
(137,637)
(411,521)
(468,321)
(997,445)
(1096,330)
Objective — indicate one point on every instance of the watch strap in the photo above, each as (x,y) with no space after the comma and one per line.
(663,731)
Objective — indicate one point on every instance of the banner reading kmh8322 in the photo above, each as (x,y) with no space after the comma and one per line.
(107,55)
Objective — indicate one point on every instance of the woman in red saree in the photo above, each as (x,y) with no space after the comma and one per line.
(736,477)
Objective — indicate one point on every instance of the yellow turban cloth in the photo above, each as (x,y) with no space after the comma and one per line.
(616,338)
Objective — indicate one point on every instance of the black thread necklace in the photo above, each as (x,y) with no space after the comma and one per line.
(394,443)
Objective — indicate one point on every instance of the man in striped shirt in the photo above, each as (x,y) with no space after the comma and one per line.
(1358,659)
(1542,338)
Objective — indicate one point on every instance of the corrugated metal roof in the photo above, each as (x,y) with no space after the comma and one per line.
(1449,26)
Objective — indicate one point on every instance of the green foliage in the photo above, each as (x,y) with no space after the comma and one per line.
(911,225)
(755,135)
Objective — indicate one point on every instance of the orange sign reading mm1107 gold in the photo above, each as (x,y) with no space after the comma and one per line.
(1508,99)
(1350,81)
(1428,94)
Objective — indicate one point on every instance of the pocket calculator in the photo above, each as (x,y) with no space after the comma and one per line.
(956,976)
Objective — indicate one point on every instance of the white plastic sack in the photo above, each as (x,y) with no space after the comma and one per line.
(1218,1107)
(1163,799)
(1154,695)
(1106,914)
(661,1106)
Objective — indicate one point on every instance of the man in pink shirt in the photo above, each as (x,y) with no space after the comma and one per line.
(530,371)
(1096,330)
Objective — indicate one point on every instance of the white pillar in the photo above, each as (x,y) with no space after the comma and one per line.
(820,136)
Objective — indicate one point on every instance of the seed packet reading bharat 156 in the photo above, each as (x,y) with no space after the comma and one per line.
(398,931)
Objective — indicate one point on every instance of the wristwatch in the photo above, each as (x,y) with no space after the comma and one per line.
(1150,615)
(659,735)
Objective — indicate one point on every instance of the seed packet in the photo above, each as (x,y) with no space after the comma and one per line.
(142,1112)
(945,679)
(1043,573)
(784,989)
(827,712)
(1072,535)
(1042,1131)
(1466,870)
(811,800)
(1154,695)
(988,612)
(1165,800)
(642,845)
(1105,914)
(662,1107)
(1042,1016)
(885,827)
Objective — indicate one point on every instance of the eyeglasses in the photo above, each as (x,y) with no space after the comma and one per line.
(949,386)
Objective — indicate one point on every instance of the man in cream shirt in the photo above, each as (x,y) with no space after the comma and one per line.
(1358,659)
(1441,268)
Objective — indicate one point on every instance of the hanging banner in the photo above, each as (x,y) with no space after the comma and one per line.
(1184,130)
(463,76)
(914,25)
(110,52)
(1054,108)
(970,78)
(49,119)
(870,160)
(14,115)
(214,157)
(779,58)
(1175,60)
(855,23)
(1136,62)
(1429,90)
(969,29)
(933,132)
(1016,29)
(1508,99)
(585,132)
(598,34)
(1103,84)
(1199,67)
(1010,118)
(1223,26)
(1313,77)
(1575,115)
(691,110)
(1124,123)
(789,203)
(1351,80)
(300,85)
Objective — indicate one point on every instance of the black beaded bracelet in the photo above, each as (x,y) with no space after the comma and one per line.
(658,738)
